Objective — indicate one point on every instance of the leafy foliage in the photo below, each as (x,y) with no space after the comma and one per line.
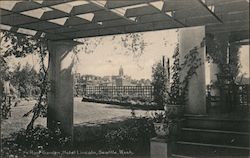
(179,87)
(131,135)
(135,43)
(170,113)
(20,45)
(4,68)
(217,47)
(88,45)
(160,84)
(173,110)
(159,117)
(39,139)
(25,79)
(126,101)
(190,64)
(175,88)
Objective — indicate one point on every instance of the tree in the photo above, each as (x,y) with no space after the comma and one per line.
(25,79)
(160,83)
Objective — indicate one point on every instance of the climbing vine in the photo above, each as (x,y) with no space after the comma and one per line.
(217,49)
(40,108)
(179,87)
(174,94)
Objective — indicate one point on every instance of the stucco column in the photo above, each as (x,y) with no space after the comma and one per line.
(188,39)
(60,103)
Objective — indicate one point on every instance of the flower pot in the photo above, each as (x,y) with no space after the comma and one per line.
(171,129)
(161,129)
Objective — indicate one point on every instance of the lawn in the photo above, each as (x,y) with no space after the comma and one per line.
(84,113)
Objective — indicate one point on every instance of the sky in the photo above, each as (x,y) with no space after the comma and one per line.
(108,55)
(245,60)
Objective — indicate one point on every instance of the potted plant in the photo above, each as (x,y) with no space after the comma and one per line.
(161,123)
(166,123)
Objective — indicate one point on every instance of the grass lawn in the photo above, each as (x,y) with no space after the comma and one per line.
(17,121)
(84,113)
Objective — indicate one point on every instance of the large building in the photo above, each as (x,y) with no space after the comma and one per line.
(115,85)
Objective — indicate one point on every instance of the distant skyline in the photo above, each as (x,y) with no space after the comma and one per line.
(117,74)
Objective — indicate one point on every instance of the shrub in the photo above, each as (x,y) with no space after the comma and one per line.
(36,140)
(133,136)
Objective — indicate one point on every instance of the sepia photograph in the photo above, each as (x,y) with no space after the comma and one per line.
(124,79)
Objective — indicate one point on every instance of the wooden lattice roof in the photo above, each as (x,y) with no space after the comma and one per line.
(71,19)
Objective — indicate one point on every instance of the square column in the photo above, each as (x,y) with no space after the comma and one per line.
(60,103)
(188,39)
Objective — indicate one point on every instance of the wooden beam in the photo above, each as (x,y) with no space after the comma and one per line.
(211,12)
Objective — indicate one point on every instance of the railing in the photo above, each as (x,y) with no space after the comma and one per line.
(114,91)
(239,94)
(243,93)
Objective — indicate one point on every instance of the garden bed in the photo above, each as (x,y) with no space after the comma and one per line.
(129,103)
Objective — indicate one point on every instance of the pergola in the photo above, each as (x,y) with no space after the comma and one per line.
(63,21)
(71,19)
